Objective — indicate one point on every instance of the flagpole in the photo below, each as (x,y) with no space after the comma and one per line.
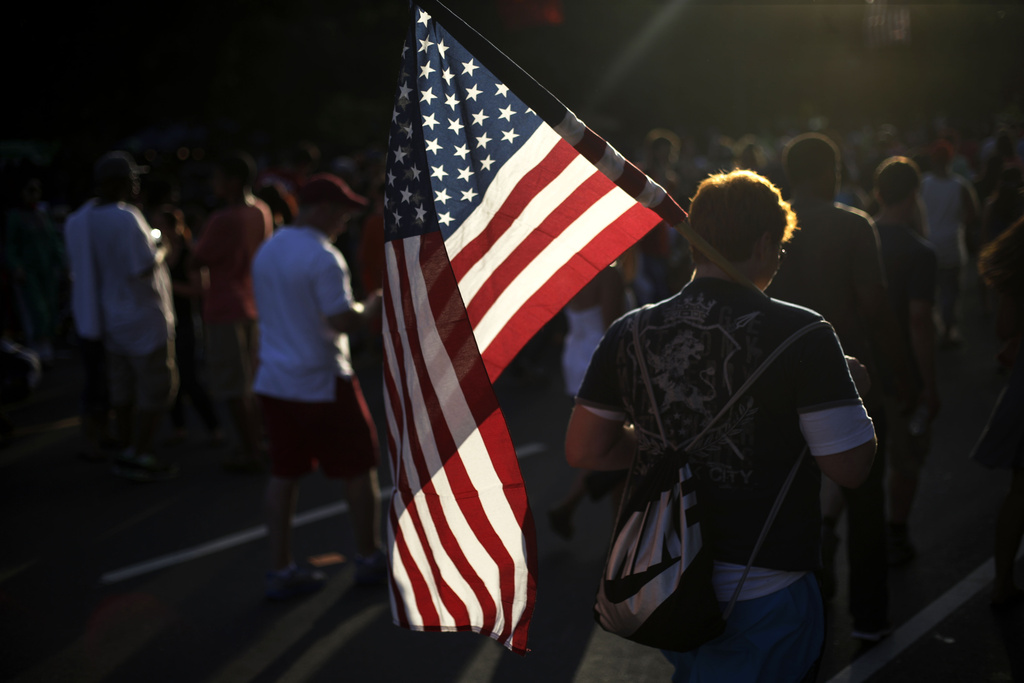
(549,108)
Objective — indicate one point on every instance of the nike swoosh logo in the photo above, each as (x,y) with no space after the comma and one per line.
(623,588)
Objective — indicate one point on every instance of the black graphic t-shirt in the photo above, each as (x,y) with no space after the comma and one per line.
(699,347)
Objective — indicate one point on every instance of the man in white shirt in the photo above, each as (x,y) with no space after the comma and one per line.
(122,295)
(313,408)
(952,215)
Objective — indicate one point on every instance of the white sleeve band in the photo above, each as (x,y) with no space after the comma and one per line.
(835,430)
(615,415)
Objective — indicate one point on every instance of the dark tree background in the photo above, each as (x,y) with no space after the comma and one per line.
(265,73)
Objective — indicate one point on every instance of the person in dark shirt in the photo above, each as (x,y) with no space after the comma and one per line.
(910,267)
(834,266)
(697,348)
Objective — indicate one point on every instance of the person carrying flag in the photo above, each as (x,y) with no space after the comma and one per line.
(698,347)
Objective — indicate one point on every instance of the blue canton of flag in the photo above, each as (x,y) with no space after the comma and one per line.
(470,123)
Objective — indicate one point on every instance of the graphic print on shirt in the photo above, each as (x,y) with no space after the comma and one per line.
(697,353)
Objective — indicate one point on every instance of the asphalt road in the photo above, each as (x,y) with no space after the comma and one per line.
(102,579)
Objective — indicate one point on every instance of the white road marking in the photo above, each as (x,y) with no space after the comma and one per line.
(529,449)
(223,543)
(253,534)
(877,657)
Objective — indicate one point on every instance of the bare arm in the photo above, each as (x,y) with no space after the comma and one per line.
(596,443)
(357,316)
(848,468)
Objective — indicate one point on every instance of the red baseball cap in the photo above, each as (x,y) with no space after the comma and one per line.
(329,188)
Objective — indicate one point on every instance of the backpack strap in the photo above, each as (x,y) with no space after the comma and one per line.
(635,325)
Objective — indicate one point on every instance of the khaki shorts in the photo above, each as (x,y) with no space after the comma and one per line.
(230,350)
(150,381)
(904,452)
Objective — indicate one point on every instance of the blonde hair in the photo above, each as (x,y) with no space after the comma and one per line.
(732,210)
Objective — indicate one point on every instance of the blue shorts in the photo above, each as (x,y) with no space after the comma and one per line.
(776,638)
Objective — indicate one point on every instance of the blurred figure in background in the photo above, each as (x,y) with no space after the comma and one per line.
(910,270)
(833,266)
(35,257)
(226,247)
(123,296)
(592,311)
(1001,445)
(187,289)
(1000,209)
(952,212)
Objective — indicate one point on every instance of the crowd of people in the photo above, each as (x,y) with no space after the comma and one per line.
(167,305)
(884,266)
(237,287)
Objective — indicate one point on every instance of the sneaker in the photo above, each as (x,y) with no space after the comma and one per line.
(144,467)
(899,550)
(372,570)
(871,635)
(293,582)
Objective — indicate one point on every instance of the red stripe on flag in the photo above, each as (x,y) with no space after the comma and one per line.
(556,292)
(483,404)
(445,446)
(454,330)
(535,180)
(589,192)
(422,597)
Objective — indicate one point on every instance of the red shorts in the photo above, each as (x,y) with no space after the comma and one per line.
(339,436)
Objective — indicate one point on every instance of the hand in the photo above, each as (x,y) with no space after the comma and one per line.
(372,303)
(859,373)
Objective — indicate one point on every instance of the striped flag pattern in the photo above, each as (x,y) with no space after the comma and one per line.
(500,206)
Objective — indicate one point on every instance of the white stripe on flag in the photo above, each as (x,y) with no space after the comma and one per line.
(401,366)
(525,160)
(473,453)
(479,471)
(534,213)
(579,234)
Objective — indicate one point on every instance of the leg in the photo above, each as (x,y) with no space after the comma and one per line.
(560,516)
(125,418)
(363,495)
(146,424)
(95,399)
(906,455)
(832,504)
(1009,531)
(279,503)
(242,414)
(902,489)
(866,543)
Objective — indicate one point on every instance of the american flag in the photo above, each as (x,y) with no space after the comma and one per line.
(496,215)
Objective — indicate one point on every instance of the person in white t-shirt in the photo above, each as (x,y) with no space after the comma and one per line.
(313,409)
(953,216)
(122,296)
